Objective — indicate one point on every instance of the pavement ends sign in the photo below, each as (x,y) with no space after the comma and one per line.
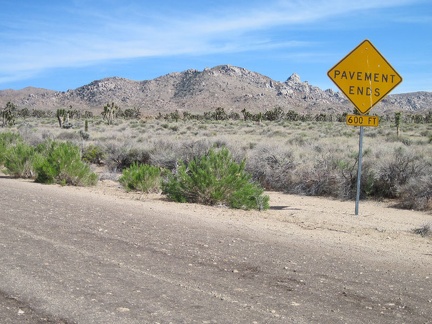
(364,76)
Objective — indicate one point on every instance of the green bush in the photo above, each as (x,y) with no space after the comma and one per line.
(20,160)
(6,140)
(141,177)
(62,164)
(214,179)
(93,154)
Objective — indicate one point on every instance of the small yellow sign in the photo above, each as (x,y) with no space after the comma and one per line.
(362,120)
(364,76)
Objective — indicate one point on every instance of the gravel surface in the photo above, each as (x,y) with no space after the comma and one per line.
(100,255)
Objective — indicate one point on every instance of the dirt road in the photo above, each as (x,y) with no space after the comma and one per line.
(98,255)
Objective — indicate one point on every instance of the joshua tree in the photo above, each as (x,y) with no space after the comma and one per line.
(110,112)
(132,113)
(8,114)
(220,114)
(276,113)
(63,118)
(246,115)
(398,116)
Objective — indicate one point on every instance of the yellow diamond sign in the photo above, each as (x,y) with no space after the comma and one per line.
(364,76)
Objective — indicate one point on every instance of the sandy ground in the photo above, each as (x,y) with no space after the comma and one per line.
(378,225)
(321,241)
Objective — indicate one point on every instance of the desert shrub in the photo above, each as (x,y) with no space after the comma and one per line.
(84,135)
(424,230)
(271,166)
(6,140)
(21,159)
(192,149)
(401,139)
(141,177)
(62,164)
(318,180)
(317,183)
(9,138)
(69,136)
(300,139)
(29,134)
(115,153)
(396,171)
(416,194)
(93,154)
(120,156)
(215,178)
(135,155)
(174,128)
(165,154)
(348,175)
(328,171)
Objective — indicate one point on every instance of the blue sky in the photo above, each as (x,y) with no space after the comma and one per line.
(65,44)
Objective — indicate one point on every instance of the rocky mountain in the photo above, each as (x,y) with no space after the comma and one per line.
(230,87)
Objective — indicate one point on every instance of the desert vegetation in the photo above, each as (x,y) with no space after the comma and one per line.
(215,178)
(424,230)
(275,150)
(47,162)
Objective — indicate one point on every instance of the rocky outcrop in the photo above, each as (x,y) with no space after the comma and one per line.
(230,87)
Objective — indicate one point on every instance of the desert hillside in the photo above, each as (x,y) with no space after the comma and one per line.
(232,88)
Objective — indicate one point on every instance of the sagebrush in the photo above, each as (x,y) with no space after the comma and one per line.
(141,177)
(215,178)
(62,164)
(21,160)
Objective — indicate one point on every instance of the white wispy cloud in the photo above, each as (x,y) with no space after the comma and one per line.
(69,36)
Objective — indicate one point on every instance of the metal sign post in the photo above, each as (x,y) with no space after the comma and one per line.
(365,77)
(359,170)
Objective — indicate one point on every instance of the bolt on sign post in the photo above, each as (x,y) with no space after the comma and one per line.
(365,77)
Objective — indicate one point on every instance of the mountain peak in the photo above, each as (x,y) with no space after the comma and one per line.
(294,78)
